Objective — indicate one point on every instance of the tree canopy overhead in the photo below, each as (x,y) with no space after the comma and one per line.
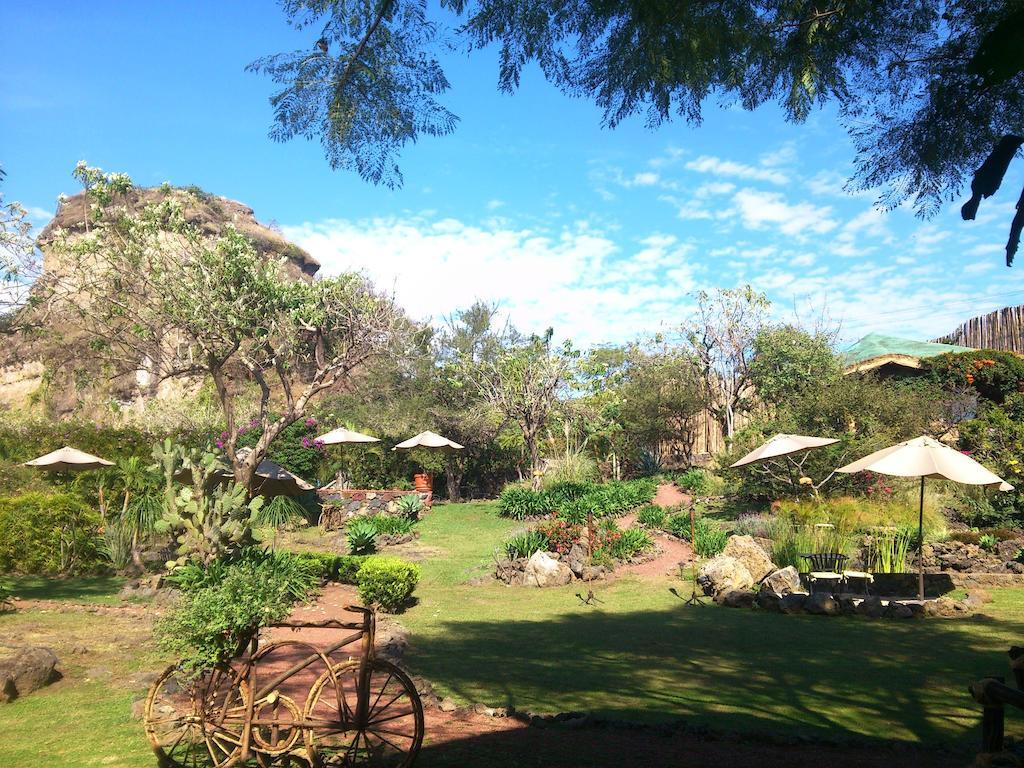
(928,89)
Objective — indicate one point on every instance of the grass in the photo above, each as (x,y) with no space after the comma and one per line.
(94,589)
(638,655)
(641,655)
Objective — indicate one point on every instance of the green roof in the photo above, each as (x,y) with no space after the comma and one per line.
(876,345)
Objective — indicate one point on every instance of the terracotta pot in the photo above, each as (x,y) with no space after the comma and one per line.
(423,483)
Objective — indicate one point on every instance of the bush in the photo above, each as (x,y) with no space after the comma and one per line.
(391,526)
(994,374)
(297,575)
(574,468)
(224,605)
(339,568)
(387,582)
(631,542)
(410,505)
(695,481)
(559,534)
(648,464)
(279,511)
(48,533)
(988,542)
(520,503)
(886,550)
(709,539)
(752,524)
(560,494)
(524,544)
(5,598)
(362,536)
(651,516)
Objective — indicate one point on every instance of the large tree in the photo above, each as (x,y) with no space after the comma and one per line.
(153,293)
(19,260)
(721,338)
(523,383)
(926,88)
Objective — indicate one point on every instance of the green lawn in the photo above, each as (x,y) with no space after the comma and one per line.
(642,655)
(639,655)
(95,589)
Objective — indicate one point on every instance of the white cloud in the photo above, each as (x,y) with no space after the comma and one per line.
(758,209)
(578,279)
(716,166)
(493,205)
(644,179)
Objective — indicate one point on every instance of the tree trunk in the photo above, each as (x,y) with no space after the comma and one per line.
(453,479)
(534,449)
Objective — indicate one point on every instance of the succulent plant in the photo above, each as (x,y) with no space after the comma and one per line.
(362,537)
(410,505)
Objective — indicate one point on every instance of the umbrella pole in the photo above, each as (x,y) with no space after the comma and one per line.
(920,545)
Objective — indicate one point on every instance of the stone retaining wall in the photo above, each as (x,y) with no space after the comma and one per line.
(340,506)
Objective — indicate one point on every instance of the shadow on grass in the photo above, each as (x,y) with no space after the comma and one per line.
(85,589)
(842,679)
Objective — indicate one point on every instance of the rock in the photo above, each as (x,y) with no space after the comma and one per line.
(822,604)
(139,708)
(871,607)
(723,574)
(577,559)
(942,608)
(24,669)
(542,570)
(898,610)
(736,598)
(447,705)
(848,605)
(143,588)
(783,581)
(769,601)
(792,603)
(977,598)
(593,572)
(750,553)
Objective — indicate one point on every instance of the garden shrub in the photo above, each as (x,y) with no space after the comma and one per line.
(631,541)
(392,526)
(338,568)
(520,503)
(678,524)
(559,534)
(5,597)
(49,533)
(988,542)
(993,373)
(651,516)
(753,524)
(575,468)
(562,493)
(279,511)
(524,544)
(695,481)
(387,582)
(224,605)
(297,575)
(886,550)
(709,540)
(410,505)
(361,534)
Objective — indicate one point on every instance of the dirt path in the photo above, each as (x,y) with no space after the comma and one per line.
(669,495)
(673,552)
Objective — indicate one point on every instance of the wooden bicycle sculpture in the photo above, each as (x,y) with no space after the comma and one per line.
(324,711)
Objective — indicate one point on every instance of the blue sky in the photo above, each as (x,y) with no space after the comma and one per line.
(602,234)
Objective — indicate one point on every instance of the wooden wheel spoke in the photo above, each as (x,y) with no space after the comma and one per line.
(386,741)
(383,688)
(389,718)
(395,698)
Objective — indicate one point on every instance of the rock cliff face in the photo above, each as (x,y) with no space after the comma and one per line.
(35,370)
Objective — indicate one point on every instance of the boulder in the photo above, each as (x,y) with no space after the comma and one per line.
(593,572)
(942,608)
(871,607)
(822,604)
(24,669)
(792,603)
(898,611)
(848,605)
(750,553)
(543,570)
(976,598)
(577,559)
(723,574)
(783,581)
(769,601)
(737,598)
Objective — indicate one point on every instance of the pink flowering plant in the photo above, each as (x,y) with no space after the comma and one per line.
(296,448)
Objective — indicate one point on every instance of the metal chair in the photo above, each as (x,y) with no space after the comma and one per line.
(826,567)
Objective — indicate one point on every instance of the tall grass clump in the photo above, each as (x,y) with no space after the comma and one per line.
(571,468)
(886,549)
(520,503)
(524,544)
(278,512)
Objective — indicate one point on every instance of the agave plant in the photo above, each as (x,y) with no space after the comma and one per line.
(410,505)
(362,537)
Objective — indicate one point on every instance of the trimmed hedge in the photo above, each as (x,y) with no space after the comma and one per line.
(387,582)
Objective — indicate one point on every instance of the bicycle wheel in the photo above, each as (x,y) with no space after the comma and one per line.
(194,721)
(393,731)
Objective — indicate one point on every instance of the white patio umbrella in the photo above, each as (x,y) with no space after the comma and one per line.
(925,457)
(429,440)
(783,445)
(342,435)
(68,459)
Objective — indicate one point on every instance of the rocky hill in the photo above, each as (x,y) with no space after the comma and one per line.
(36,371)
